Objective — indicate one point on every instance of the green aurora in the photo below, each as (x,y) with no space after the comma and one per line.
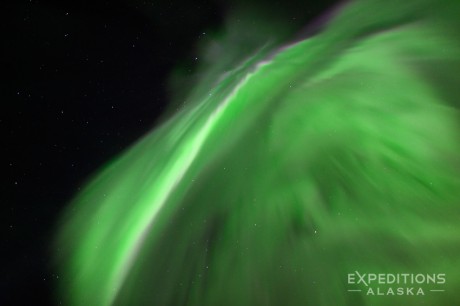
(277,178)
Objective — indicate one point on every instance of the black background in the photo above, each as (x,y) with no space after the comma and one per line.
(82,81)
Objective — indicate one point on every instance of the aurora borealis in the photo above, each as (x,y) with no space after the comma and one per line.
(304,162)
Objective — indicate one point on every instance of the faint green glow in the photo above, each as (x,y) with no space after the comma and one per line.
(281,175)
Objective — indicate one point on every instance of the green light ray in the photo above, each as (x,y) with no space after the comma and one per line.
(335,154)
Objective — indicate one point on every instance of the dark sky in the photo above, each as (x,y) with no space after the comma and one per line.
(82,81)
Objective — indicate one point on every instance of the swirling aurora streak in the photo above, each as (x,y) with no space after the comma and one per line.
(330,155)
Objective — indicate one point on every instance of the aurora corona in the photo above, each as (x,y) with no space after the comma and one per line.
(280,176)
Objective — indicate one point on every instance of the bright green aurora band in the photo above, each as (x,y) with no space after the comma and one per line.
(278,178)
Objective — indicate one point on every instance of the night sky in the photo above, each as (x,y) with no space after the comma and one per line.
(82,82)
